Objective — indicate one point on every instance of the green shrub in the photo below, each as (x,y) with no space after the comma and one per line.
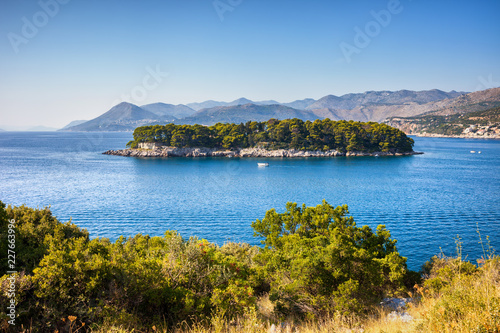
(139,280)
(318,261)
(35,229)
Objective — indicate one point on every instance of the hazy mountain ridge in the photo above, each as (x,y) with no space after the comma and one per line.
(299,104)
(73,123)
(212,104)
(127,116)
(244,113)
(169,110)
(352,101)
(448,117)
(205,105)
(376,106)
(472,102)
(484,124)
(122,117)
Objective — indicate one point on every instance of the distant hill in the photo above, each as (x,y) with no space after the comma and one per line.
(73,123)
(268,102)
(243,113)
(240,101)
(300,104)
(376,105)
(169,110)
(352,101)
(205,105)
(211,104)
(473,124)
(472,102)
(122,117)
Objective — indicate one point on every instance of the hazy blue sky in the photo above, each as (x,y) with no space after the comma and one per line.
(74,59)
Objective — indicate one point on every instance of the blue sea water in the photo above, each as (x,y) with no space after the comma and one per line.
(424,200)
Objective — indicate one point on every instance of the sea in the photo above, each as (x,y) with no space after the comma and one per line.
(429,203)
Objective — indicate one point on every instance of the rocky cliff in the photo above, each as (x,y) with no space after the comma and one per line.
(247,152)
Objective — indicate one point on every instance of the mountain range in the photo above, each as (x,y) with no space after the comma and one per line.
(122,117)
(243,113)
(240,101)
(376,106)
(74,123)
(476,124)
(169,110)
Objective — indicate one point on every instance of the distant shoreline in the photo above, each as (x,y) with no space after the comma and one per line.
(247,152)
(462,136)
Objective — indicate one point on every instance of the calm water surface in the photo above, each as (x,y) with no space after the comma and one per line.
(425,200)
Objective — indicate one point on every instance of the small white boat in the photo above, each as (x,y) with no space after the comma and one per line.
(479,152)
(263,164)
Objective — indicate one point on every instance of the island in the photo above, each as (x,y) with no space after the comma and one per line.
(272,138)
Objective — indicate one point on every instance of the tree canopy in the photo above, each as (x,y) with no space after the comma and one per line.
(318,261)
(344,136)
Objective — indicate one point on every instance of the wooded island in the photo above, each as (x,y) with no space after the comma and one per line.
(319,135)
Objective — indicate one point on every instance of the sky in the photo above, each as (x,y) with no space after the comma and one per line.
(64,60)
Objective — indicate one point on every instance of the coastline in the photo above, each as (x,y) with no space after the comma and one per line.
(461,136)
(247,152)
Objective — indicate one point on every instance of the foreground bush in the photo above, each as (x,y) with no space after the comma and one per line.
(35,230)
(319,262)
(136,281)
(315,262)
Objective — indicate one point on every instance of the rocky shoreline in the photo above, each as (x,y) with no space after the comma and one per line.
(460,136)
(247,152)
